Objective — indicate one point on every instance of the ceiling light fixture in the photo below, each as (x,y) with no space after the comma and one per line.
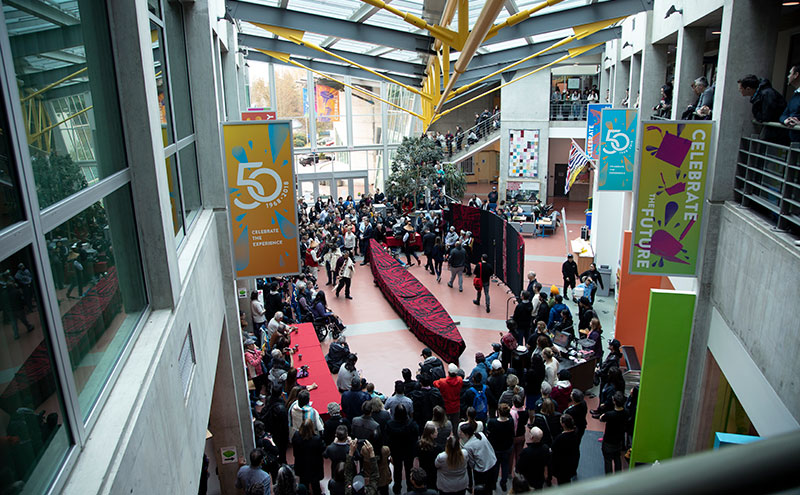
(716,32)
(790,4)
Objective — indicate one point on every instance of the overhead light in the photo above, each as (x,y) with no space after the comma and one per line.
(673,10)
(716,32)
(790,4)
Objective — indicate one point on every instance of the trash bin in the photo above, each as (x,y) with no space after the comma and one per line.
(589,218)
(605,274)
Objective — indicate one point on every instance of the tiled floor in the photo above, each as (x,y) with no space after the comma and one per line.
(385,346)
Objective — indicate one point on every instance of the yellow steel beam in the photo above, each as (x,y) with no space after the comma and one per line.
(520,16)
(441,33)
(285,57)
(573,52)
(489,13)
(447,18)
(296,37)
(34,136)
(53,85)
(579,32)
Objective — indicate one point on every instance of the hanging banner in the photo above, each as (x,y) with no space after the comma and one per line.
(617,149)
(327,103)
(670,191)
(593,128)
(261,195)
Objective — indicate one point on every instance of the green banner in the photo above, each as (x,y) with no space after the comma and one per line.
(670,192)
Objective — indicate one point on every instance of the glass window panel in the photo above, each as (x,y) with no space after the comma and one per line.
(190,182)
(291,93)
(164,105)
(259,85)
(102,290)
(174,195)
(32,422)
(324,189)
(154,7)
(367,130)
(79,58)
(178,70)
(329,101)
(300,132)
(10,205)
(364,104)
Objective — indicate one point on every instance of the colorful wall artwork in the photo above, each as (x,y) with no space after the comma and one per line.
(523,153)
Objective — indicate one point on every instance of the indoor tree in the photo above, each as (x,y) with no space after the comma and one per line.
(414,169)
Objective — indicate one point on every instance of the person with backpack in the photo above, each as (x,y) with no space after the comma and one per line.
(514,389)
(475,398)
(431,364)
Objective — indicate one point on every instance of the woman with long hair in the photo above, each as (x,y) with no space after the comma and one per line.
(500,431)
(427,451)
(596,334)
(550,365)
(309,447)
(285,483)
(451,466)
(472,420)
(443,426)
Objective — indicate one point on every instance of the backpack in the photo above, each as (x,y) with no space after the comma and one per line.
(480,404)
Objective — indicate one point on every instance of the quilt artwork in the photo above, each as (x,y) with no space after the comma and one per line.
(523,153)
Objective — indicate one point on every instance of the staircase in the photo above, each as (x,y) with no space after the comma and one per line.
(493,135)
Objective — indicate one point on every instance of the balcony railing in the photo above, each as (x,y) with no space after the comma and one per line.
(568,109)
(768,181)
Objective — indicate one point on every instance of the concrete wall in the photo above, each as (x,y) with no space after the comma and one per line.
(149,437)
(754,287)
(526,105)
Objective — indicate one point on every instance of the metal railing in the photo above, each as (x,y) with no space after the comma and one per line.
(482,130)
(768,180)
(569,109)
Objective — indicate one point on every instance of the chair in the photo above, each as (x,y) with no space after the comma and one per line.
(633,372)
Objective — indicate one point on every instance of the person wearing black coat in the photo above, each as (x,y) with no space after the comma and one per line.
(275,417)
(578,410)
(522,316)
(428,240)
(596,278)
(534,376)
(768,105)
(425,398)
(533,459)
(569,270)
(566,452)
(309,447)
(611,361)
(402,434)
(543,313)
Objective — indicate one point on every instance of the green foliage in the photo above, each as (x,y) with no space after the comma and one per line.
(300,140)
(57,177)
(414,170)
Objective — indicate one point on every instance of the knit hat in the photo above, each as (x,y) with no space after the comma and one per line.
(334,409)
(553,289)
(479,356)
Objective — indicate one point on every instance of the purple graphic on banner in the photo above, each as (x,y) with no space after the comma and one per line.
(593,111)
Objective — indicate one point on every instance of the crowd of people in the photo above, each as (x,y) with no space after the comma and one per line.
(486,122)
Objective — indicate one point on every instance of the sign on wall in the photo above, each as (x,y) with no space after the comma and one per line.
(593,128)
(258,114)
(261,195)
(523,153)
(670,191)
(617,149)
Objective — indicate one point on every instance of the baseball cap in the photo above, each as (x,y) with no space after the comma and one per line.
(496,364)
(452,368)
(250,341)
(496,346)
(426,352)
(569,255)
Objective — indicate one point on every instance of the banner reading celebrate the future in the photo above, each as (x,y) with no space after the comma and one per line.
(593,128)
(261,193)
(617,149)
(670,192)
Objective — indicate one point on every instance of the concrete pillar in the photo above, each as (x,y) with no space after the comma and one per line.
(688,67)
(634,80)
(621,80)
(526,105)
(747,45)
(232,107)
(654,70)
(605,80)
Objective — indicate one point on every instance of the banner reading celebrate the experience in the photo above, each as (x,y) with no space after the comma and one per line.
(593,128)
(261,193)
(617,149)
(670,192)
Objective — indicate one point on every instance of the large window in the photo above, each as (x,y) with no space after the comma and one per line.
(177,124)
(331,109)
(71,282)
(291,87)
(367,118)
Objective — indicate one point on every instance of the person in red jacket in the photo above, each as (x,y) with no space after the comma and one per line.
(450,388)
(562,390)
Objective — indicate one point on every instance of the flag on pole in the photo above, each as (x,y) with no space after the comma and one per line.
(577,162)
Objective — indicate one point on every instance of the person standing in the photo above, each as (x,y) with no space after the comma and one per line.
(593,274)
(428,241)
(451,466)
(569,270)
(614,434)
(578,410)
(522,317)
(482,458)
(566,451)
(346,274)
(402,434)
(457,259)
(427,452)
(308,446)
(365,234)
(450,388)
(251,478)
(259,316)
(437,253)
(500,431)
(77,274)
(534,458)
(409,238)
(485,271)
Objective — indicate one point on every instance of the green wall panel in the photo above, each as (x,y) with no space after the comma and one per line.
(666,347)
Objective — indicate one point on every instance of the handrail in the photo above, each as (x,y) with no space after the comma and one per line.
(490,119)
(731,469)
